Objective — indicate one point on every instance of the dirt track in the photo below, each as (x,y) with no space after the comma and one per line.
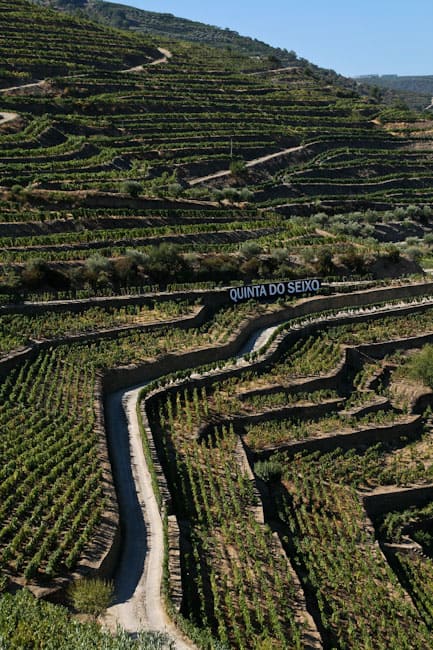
(138,602)
(250,163)
(31,85)
(8,117)
(166,54)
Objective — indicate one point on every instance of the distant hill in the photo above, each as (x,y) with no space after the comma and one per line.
(164,25)
(168,25)
(417,91)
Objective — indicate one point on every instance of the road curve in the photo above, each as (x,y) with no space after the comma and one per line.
(34,84)
(138,603)
(165,55)
(7,117)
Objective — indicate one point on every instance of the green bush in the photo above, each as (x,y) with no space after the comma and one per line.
(91,596)
(421,366)
(268,470)
(133,188)
(27,623)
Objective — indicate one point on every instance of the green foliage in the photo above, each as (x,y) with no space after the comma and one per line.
(27,624)
(39,52)
(91,595)
(169,26)
(88,140)
(165,262)
(238,169)
(132,188)
(250,249)
(420,366)
(268,470)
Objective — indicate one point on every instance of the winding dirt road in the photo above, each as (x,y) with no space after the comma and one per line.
(250,163)
(138,601)
(165,56)
(34,84)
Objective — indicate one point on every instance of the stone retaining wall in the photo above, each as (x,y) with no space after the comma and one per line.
(381,350)
(173,541)
(102,555)
(410,428)
(382,501)
(335,380)
(219,297)
(379,404)
(306,412)
(30,352)
(123,377)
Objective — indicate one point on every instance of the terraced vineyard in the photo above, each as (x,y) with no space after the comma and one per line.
(328,451)
(210,151)
(291,484)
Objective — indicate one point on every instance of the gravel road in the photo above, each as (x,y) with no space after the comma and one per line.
(138,602)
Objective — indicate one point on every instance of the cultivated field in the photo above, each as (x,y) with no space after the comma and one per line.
(283,448)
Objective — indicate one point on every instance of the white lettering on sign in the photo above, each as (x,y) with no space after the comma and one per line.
(292,288)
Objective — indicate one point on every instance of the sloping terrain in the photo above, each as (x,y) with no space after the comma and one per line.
(136,175)
(168,26)
(207,150)
(60,45)
(311,441)
(417,91)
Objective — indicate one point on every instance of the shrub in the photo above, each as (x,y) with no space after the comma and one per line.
(421,366)
(324,263)
(165,262)
(33,275)
(414,253)
(91,596)
(238,169)
(250,249)
(133,188)
(268,470)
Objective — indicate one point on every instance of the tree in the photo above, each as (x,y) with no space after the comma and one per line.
(133,188)
(250,249)
(324,262)
(165,262)
(34,273)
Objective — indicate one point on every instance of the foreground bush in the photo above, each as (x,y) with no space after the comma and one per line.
(27,624)
(91,596)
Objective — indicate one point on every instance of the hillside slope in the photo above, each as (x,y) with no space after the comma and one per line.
(170,26)
(208,149)
(137,177)
(38,43)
